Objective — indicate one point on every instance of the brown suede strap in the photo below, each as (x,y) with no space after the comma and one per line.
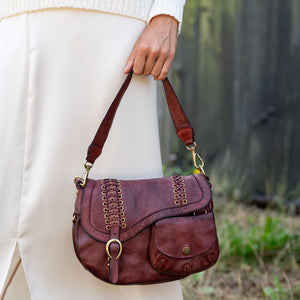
(182,125)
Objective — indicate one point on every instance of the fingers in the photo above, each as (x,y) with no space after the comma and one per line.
(129,65)
(164,70)
(154,61)
(140,59)
(152,56)
(155,49)
(163,63)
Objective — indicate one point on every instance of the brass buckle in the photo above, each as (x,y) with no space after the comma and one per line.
(113,241)
(196,156)
(83,179)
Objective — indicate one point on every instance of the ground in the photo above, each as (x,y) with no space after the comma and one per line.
(260,256)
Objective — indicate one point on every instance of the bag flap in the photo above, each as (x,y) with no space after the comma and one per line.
(182,237)
(135,204)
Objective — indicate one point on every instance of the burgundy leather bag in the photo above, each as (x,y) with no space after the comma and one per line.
(145,231)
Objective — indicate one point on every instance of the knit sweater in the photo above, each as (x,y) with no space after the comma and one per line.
(140,9)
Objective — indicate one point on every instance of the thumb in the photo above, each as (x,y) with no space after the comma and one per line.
(129,65)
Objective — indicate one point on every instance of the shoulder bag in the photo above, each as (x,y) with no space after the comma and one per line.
(145,231)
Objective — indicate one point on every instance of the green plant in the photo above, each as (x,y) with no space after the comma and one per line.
(257,242)
(176,170)
(260,256)
(277,292)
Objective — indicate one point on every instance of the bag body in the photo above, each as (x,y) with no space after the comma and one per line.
(165,226)
(145,231)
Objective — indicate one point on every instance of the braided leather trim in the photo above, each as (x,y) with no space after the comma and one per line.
(179,190)
(113,203)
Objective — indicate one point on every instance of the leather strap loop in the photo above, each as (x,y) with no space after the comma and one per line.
(116,251)
(183,127)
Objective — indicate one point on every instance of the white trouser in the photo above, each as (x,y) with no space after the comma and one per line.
(59,71)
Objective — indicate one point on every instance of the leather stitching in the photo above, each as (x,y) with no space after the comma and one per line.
(179,190)
(113,203)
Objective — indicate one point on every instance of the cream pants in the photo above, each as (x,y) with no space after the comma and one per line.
(59,71)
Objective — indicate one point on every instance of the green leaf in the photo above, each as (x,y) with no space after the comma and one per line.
(208,290)
(198,276)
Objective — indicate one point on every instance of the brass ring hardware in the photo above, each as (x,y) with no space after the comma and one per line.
(74,218)
(113,241)
(192,147)
(196,156)
(83,179)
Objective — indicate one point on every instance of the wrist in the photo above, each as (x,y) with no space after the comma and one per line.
(165,20)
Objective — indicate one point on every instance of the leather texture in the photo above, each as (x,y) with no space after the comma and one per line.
(182,125)
(145,231)
(153,229)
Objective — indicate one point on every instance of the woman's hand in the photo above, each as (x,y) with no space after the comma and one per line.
(155,49)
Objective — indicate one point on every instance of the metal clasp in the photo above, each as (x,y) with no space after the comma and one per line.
(113,241)
(196,156)
(83,179)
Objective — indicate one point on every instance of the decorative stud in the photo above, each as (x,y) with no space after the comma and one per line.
(186,250)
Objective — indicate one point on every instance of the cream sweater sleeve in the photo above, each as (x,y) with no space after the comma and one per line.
(141,9)
(173,8)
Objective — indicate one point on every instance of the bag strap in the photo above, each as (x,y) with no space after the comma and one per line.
(183,127)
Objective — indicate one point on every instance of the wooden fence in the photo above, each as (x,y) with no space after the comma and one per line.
(237,73)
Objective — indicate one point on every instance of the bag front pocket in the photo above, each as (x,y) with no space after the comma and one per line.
(184,245)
